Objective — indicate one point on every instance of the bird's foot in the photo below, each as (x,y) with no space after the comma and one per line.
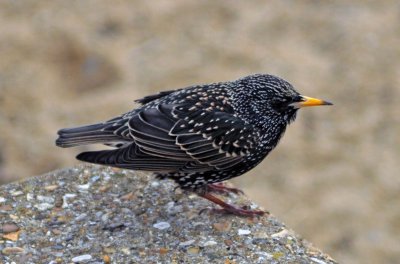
(230,209)
(221,188)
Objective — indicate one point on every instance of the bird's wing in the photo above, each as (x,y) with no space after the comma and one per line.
(202,138)
(216,138)
(150,148)
(150,130)
(174,138)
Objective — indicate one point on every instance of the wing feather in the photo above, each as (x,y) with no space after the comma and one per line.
(217,139)
(176,138)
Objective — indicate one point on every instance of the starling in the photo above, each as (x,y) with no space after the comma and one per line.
(197,136)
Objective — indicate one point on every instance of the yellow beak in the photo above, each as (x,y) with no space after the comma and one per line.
(309,101)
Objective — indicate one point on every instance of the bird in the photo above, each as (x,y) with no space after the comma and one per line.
(198,136)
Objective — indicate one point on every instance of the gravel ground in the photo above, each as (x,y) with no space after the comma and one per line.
(92,214)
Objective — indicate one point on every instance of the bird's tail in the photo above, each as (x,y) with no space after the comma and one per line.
(84,135)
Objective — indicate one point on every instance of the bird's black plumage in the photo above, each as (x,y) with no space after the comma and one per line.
(197,135)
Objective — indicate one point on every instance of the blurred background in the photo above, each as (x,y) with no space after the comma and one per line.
(334,178)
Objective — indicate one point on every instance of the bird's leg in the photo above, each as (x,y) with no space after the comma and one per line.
(219,187)
(227,208)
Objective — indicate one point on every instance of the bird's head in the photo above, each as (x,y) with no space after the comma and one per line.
(271,99)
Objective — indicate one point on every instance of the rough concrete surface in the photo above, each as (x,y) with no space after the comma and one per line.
(93,214)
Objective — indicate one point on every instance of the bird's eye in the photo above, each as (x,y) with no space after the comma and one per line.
(298,99)
(280,105)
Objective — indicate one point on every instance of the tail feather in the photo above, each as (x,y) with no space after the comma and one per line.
(130,158)
(81,129)
(84,135)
